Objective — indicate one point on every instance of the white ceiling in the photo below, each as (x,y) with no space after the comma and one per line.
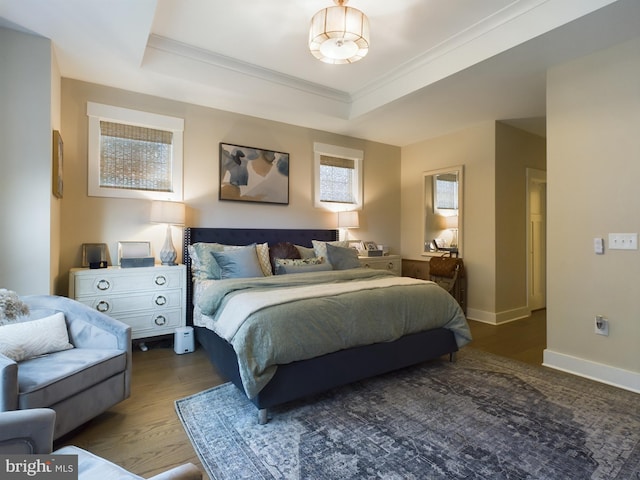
(434,65)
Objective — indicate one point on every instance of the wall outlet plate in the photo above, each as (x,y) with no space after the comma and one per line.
(601,325)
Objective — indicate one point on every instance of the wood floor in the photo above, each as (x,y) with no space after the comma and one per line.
(143,433)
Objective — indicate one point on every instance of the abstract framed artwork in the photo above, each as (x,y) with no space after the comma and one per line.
(249,174)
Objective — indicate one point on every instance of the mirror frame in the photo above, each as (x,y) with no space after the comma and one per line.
(429,176)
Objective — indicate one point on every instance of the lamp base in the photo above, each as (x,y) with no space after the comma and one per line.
(168,253)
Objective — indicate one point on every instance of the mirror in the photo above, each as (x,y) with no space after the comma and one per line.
(442,216)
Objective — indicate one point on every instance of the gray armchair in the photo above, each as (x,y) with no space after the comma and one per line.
(79,383)
(28,432)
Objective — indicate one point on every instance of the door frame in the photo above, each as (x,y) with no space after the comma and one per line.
(534,176)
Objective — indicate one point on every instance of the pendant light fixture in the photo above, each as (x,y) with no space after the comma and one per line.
(339,34)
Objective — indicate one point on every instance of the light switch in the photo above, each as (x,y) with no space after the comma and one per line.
(623,241)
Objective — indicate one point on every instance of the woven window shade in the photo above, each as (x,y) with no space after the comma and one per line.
(133,157)
(336,179)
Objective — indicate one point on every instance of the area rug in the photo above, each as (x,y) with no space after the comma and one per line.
(482,417)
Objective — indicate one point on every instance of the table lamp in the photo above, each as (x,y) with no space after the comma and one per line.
(347,220)
(171,213)
(452,224)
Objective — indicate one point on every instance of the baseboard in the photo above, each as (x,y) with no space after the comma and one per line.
(599,372)
(498,318)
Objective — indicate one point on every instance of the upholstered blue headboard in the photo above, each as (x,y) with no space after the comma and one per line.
(245,236)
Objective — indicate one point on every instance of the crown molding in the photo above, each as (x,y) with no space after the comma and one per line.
(190,52)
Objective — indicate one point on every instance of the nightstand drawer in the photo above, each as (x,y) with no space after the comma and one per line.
(92,282)
(117,304)
(392,263)
(150,324)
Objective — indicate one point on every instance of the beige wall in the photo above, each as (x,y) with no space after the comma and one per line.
(593,126)
(92,219)
(495,157)
(474,148)
(28,211)
(516,150)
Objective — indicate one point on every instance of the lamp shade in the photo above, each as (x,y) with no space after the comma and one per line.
(348,220)
(339,34)
(171,213)
(451,221)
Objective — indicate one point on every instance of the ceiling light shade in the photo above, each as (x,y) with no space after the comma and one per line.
(339,34)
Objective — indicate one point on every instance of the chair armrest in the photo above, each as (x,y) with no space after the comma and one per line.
(87,327)
(27,431)
(188,471)
(8,384)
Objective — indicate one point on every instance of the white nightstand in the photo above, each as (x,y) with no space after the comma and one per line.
(393,263)
(150,299)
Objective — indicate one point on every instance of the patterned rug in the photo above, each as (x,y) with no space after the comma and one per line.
(482,417)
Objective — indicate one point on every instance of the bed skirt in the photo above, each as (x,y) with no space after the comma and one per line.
(308,377)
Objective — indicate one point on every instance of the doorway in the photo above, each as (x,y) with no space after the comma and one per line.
(536,238)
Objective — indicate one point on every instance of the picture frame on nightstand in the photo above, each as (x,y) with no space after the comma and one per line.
(135,254)
(369,245)
(94,255)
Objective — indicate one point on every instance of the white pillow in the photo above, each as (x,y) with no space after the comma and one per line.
(321,247)
(31,338)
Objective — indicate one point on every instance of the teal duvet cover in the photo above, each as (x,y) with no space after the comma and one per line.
(276,320)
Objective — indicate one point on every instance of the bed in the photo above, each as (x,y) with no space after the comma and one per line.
(297,378)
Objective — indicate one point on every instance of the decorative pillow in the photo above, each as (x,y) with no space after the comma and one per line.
(31,338)
(204,265)
(262,250)
(342,258)
(321,247)
(301,265)
(282,250)
(284,264)
(238,263)
(318,267)
(305,252)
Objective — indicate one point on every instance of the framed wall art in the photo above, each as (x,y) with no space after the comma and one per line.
(249,174)
(57,164)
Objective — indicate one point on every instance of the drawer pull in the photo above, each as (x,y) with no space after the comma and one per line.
(103,284)
(161,280)
(390,266)
(161,300)
(102,306)
(160,320)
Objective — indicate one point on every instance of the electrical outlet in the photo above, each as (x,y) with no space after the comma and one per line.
(602,325)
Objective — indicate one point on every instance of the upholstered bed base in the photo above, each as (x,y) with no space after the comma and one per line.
(307,377)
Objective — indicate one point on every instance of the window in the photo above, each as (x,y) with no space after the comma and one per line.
(338,177)
(134,154)
(445,191)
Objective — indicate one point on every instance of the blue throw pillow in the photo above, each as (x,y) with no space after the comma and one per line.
(240,263)
(342,258)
